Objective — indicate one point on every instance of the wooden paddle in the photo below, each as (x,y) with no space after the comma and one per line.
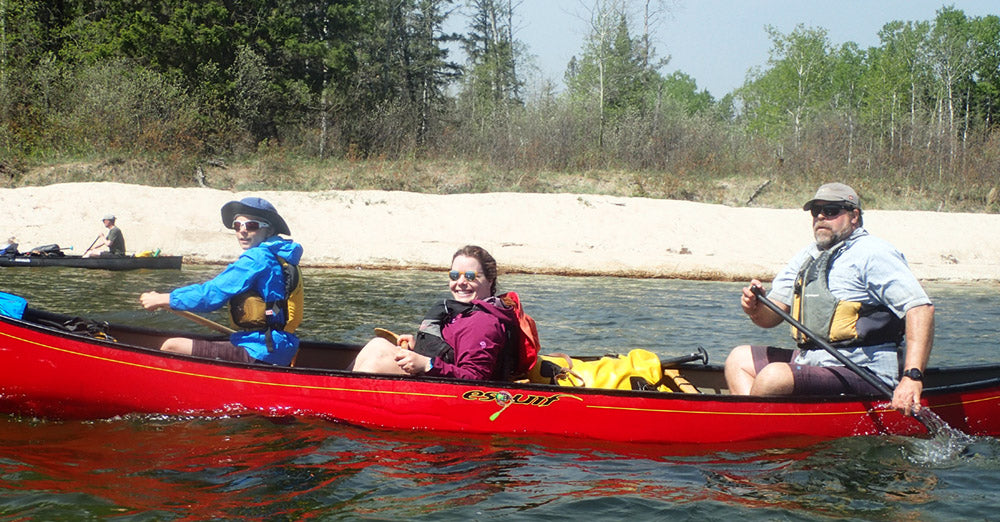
(851,365)
(204,322)
(218,327)
(391,337)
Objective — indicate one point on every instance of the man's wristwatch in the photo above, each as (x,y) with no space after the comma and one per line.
(914,374)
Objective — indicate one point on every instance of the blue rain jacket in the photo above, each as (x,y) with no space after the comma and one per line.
(256,268)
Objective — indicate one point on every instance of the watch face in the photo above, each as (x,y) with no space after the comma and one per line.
(914,374)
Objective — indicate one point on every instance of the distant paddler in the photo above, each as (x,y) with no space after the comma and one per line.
(114,240)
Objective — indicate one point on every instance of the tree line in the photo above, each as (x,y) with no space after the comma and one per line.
(375,79)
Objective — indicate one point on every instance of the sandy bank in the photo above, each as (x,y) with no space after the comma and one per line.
(539,233)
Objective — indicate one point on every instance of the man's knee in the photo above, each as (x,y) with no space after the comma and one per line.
(740,357)
(774,379)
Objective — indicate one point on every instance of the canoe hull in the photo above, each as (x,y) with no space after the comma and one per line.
(100,263)
(49,374)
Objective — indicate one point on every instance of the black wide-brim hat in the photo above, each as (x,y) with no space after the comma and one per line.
(256,207)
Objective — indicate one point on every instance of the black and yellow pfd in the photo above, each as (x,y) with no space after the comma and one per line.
(842,323)
(249,311)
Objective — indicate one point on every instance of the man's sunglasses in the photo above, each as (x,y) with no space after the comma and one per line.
(829,210)
(470,275)
(250,226)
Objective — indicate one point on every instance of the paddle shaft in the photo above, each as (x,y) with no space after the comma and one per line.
(204,322)
(92,243)
(851,365)
(701,355)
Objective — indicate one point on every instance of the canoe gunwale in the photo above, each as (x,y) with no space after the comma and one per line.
(129,262)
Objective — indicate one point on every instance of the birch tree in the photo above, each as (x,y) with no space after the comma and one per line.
(798,82)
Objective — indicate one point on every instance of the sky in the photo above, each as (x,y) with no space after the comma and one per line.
(717,41)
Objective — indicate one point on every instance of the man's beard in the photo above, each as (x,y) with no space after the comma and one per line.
(833,239)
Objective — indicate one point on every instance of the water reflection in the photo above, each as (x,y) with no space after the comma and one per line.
(173,467)
(251,467)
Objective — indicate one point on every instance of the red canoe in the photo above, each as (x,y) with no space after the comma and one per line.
(47,371)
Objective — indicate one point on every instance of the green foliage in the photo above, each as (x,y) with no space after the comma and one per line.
(286,86)
(119,106)
(798,83)
(683,90)
(610,74)
(491,87)
(398,97)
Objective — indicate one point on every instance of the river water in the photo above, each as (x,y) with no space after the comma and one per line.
(180,468)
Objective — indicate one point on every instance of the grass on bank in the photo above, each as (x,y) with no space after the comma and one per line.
(278,172)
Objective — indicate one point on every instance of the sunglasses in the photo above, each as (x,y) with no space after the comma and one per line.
(249,226)
(829,210)
(470,275)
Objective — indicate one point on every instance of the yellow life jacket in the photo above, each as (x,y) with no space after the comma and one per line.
(249,311)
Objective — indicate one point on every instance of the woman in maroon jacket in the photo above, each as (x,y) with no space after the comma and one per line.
(463,337)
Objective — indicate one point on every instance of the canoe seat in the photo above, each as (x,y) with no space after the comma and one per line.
(676,382)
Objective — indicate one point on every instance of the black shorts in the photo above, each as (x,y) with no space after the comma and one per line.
(813,380)
(222,350)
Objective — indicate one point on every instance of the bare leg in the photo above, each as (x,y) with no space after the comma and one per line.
(178,345)
(740,371)
(378,356)
(774,379)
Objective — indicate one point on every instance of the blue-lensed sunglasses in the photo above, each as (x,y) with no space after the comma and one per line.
(470,275)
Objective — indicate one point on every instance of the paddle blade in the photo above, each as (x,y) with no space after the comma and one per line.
(392,338)
(387,335)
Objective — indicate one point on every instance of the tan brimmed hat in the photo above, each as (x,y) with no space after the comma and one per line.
(834,192)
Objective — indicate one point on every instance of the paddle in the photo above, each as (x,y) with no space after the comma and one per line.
(92,243)
(700,355)
(391,337)
(204,322)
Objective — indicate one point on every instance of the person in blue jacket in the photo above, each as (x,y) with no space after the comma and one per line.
(262,288)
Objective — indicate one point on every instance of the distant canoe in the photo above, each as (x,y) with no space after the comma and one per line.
(101,263)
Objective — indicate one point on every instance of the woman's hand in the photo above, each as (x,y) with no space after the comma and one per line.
(412,362)
(405,341)
(155,301)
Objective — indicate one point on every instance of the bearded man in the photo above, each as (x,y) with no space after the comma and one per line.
(856,292)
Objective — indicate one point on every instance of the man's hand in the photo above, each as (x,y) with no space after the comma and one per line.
(906,397)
